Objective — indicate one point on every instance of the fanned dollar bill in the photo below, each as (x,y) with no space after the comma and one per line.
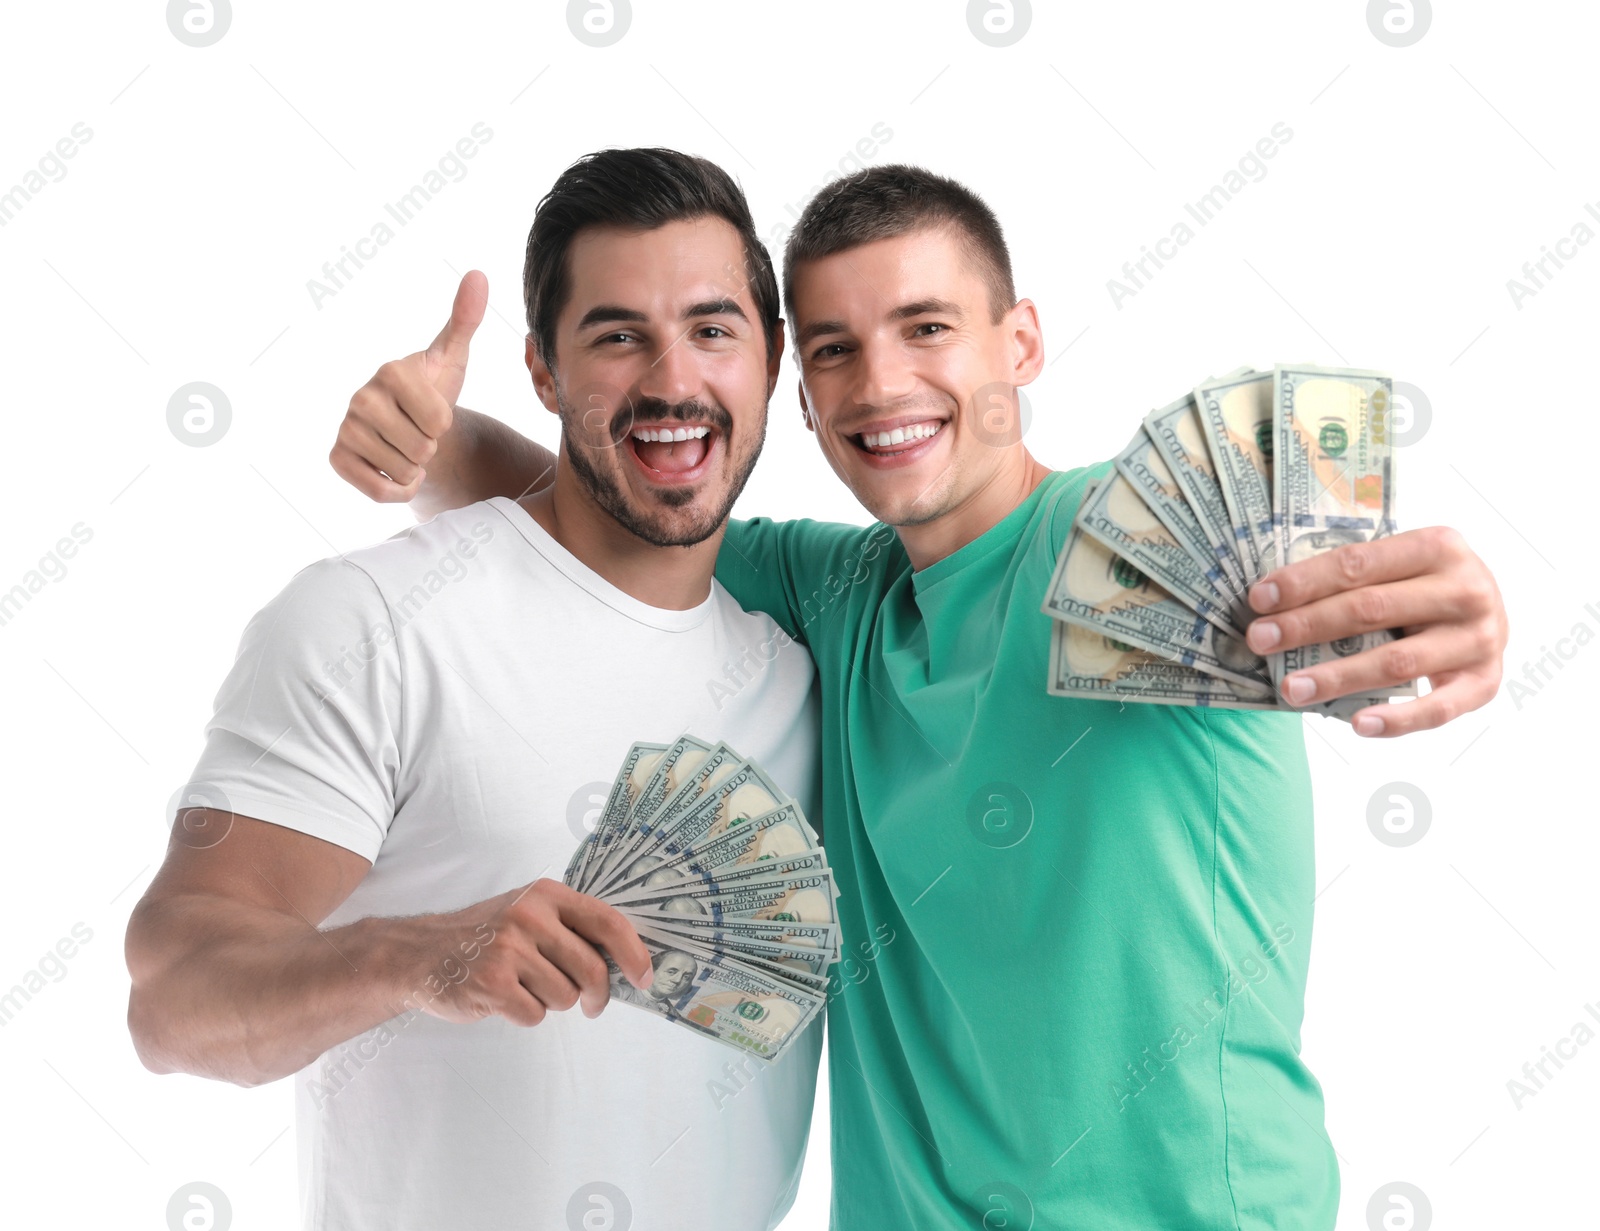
(1086,663)
(1236,416)
(1176,433)
(1251,470)
(1097,588)
(728,887)
(1116,516)
(1333,481)
(1143,465)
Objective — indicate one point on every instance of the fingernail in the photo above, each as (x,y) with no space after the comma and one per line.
(1369,724)
(1299,689)
(1266,592)
(1264,634)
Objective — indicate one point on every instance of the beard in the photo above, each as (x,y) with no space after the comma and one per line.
(607,490)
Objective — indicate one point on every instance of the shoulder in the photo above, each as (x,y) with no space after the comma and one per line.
(803,539)
(1061,503)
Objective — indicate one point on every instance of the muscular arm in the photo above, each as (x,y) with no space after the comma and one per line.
(233,980)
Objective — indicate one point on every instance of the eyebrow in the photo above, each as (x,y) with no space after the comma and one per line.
(610,313)
(920,307)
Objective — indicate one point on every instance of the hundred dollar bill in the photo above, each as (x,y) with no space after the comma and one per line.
(1114,514)
(1333,483)
(793,898)
(746,792)
(1236,416)
(777,834)
(1176,432)
(687,762)
(800,964)
(648,777)
(1142,464)
(752,1012)
(1098,589)
(813,959)
(637,766)
(737,933)
(664,882)
(1085,663)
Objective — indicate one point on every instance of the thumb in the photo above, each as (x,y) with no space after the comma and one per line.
(447,354)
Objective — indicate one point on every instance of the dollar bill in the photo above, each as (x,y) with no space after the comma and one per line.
(1114,514)
(1176,432)
(1087,663)
(1143,465)
(777,834)
(744,793)
(740,1007)
(636,769)
(1236,416)
(686,762)
(675,879)
(1333,484)
(1098,589)
(789,897)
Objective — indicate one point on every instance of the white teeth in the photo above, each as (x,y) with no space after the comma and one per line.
(899,435)
(667,433)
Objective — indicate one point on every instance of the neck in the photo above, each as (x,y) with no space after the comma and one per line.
(671,578)
(977,513)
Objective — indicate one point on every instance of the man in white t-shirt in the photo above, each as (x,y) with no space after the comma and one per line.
(362,885)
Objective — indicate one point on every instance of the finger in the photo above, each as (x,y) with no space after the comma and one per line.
(364,477)
(1459,694)
(1416,601)
(605,927)
(1428,653)
(401,399)
(547,983)
(1391,558)
(582,964)
(449,349)
(378,453)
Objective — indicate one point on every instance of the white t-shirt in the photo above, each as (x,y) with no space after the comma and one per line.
(452,704)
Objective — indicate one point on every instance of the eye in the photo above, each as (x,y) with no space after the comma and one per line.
(608,338)
(714,331)
(926,329)
(829,350)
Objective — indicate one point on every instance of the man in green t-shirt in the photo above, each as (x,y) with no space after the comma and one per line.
(1076,932)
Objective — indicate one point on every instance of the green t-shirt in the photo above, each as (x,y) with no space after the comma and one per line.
(1075,932)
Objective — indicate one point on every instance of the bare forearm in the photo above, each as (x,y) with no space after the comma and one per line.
(478,458)
(247,995)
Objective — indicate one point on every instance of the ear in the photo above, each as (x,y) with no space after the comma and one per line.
(805,407)
(1027,342)
(774,359)
(544,380)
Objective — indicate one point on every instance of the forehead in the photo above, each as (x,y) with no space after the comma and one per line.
(873,279)
(659,269)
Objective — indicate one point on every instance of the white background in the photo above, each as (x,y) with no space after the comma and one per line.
(218,180)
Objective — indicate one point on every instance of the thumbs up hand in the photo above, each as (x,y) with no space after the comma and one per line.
(396,420)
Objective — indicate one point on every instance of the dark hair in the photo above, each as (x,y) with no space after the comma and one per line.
(644,189)
(895,199)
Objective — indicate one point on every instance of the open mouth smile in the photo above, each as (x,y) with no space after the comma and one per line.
(674,453)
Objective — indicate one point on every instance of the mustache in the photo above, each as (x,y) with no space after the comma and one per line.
(647,411)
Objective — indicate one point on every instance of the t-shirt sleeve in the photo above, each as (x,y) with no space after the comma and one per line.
(305,731)
(787,568)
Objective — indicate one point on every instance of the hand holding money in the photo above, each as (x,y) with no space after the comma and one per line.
(728,887)
(1426,582)
(1211,492)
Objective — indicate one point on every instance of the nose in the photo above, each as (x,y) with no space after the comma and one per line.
(883,376)
(673,375)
